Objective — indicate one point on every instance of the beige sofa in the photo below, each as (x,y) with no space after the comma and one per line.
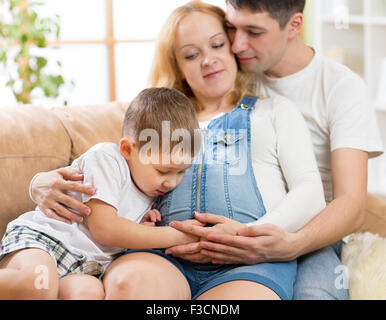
(34,139)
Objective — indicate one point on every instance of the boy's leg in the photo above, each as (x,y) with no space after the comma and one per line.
(28,274)
(81,287)
(319,276)
(143,276)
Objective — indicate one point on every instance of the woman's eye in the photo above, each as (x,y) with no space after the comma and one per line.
(191,56)
(217,46)
(162,172)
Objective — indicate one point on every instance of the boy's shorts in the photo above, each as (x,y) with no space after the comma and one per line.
(22,237)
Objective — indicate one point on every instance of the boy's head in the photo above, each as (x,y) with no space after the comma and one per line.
(260,30)
(160,139)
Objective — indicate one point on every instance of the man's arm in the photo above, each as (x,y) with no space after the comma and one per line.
(266,243)
(346,213)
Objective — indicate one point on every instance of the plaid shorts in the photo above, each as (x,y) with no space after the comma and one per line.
(22,237)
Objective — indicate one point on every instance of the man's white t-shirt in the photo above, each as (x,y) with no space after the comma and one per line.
(336,106)
(105,169)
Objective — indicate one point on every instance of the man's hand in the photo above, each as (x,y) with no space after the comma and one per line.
(49,191)
(252,245)
(151,217)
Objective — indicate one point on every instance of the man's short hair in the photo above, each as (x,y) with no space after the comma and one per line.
(280,10)
(154,107)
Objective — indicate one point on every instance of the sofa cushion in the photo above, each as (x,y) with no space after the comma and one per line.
(32,140)
(89,125)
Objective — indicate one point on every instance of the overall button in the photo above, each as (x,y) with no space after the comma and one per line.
(245,106)
(228,138)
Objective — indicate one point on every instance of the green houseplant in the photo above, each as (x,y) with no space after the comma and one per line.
(21,30)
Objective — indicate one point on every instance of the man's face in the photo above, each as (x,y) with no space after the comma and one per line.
(256,39)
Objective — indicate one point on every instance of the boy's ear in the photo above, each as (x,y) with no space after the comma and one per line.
(126,146)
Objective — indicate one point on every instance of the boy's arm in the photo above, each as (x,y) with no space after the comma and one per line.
(107,228)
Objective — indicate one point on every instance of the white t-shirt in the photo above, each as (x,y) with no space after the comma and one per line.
(284,164)
(336,106)
(105,169)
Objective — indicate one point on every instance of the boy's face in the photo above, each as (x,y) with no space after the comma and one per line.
(257,40)
(158,175)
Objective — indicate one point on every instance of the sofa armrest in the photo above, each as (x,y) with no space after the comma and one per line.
(32,140)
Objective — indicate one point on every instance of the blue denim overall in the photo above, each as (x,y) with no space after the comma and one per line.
(221,181)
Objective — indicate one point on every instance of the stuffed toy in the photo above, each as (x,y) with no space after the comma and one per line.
(364,255)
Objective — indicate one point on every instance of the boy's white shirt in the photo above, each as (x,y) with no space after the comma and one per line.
(105,169)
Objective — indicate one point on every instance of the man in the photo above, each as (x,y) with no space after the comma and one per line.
(265,37)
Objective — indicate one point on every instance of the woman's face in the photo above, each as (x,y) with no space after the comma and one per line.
(204,56)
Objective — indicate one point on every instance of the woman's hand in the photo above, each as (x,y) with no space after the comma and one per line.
(49,191)
(249,245)
(192,251)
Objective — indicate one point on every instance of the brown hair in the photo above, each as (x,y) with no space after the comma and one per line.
(165,71)
(152,107)
(280,10)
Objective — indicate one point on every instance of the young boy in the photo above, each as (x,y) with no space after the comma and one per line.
(37,251)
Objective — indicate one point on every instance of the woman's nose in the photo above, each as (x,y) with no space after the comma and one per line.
(208,60)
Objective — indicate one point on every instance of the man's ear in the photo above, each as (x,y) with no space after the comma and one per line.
(295,25)
(126,146)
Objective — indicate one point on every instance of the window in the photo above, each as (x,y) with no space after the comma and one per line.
(106,47)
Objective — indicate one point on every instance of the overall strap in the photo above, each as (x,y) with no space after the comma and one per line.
(248,102)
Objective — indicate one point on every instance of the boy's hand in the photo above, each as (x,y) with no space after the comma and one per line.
(188,237)
(220,224)
(151,217)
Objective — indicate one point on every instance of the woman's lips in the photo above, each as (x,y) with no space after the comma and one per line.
(214,74)
(160,192)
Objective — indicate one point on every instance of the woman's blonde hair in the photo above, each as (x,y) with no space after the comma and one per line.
(165,71)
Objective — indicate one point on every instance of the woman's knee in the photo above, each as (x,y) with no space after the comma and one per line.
(145,276)
(239,290)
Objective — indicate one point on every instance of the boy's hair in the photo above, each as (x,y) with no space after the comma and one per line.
(280,10)
(162,111)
